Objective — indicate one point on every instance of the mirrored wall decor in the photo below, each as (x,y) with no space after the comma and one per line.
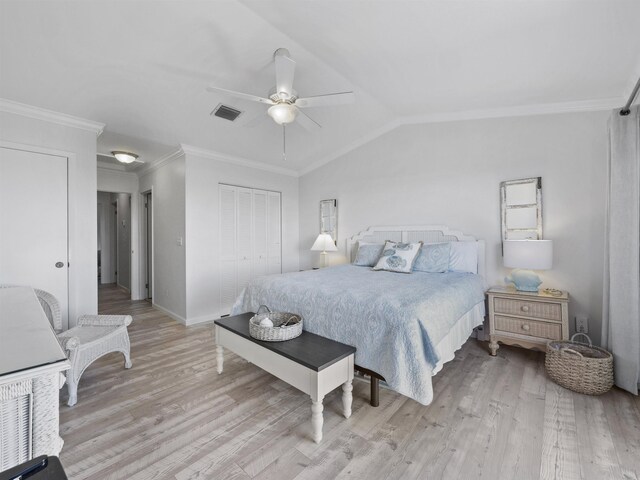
(521,209)
(329,218)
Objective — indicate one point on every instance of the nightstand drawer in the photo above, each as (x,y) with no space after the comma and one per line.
(510,306)
(525,326)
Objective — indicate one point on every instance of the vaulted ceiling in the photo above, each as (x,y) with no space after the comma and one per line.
(142,67)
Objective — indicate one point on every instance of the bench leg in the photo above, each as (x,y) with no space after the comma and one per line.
(375,392)
(347,398)
(219,357)
(316,419)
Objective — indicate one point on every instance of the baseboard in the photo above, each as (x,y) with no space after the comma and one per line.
(171,314)
(202,319)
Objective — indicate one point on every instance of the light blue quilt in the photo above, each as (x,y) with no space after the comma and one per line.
(395,320)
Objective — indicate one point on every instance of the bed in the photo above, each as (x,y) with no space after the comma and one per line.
(404,326)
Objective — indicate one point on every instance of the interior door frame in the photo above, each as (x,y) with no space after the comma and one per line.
(72,280)
(145,243)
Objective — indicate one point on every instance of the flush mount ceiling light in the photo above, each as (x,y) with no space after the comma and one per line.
(125,157)
(283,113)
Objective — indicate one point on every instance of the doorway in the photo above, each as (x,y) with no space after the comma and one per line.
(114,240)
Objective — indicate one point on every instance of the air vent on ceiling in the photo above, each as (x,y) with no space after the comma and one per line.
(226,112)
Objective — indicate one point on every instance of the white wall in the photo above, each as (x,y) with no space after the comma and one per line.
(449,173)
(81,143)
(168,187)
(116,181)
(202,239)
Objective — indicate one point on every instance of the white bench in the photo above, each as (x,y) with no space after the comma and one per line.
(311,363)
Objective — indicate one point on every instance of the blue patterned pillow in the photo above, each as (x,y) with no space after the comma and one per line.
(433,258)
(398,257)
(368,254)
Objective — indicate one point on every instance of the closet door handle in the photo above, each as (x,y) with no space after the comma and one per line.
(59,264)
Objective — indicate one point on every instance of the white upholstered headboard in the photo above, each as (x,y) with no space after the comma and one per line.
(425,233)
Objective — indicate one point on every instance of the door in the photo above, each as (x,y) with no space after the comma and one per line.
(259,233)
(274,247)
(33,222)
(244,238)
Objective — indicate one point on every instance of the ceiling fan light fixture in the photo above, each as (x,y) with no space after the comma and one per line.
(124,157)
(283,113)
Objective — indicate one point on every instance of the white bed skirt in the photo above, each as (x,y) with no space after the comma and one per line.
(458,335)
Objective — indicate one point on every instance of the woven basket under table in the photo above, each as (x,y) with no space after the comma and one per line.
(580,367)
(275,333)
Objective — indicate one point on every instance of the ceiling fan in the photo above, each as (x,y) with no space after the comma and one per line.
(284,104)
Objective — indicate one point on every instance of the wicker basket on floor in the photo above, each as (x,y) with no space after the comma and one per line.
(286,326)
(580,367)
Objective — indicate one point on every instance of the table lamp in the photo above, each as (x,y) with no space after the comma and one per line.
(524,256)
(324,243)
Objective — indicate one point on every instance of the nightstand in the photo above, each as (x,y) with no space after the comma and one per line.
(526,319)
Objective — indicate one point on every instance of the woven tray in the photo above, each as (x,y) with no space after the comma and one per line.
(277,333)
(580,367)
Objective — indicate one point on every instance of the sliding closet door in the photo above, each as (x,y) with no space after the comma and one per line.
(274,247)
(244,238)
(228,248)
(259,233)
(249,239)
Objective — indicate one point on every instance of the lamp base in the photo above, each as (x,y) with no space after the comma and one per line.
(524,280)
(323,256)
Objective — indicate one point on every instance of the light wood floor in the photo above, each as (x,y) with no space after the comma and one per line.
(172,416)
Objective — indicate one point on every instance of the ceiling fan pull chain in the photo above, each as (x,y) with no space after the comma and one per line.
(284,142)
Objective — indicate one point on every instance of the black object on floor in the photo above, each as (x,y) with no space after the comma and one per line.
(40,468)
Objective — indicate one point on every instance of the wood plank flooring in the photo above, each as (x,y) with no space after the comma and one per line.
(173,417)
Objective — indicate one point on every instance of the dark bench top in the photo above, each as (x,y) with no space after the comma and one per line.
(310,350)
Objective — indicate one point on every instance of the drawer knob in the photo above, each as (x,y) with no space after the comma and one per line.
(525,327)
(525,308)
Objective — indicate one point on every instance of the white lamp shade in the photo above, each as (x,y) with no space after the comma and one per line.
(528,254)
(324,243)
(283,113)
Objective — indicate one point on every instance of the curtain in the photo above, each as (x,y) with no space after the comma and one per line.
(621,301)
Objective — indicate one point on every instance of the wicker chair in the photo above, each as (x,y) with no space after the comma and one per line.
(92,337)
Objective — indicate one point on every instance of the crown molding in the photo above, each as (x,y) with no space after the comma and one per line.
(9,106)
(481,114)
(111,167)
(515,111)
(223,157)
(156,164)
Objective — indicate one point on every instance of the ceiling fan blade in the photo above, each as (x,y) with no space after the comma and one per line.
(341,98)
(306,122)
(255,121)
(285,70)
(244,96)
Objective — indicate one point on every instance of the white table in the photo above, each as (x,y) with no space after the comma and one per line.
(31,366)
(313,364)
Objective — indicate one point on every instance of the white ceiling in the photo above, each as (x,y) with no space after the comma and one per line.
(142,67)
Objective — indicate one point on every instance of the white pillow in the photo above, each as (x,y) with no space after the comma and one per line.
(398,257)
(463,257)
